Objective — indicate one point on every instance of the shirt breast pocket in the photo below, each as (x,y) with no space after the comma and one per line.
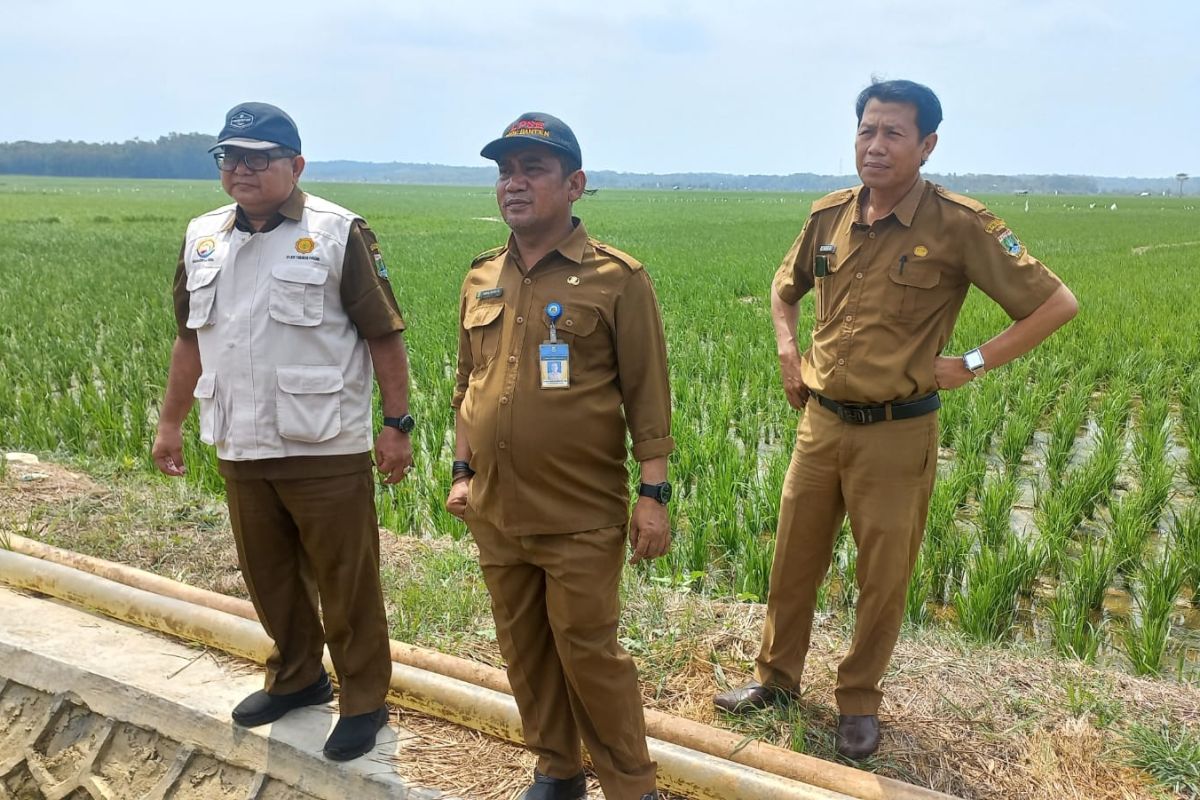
(576,323)
(202,294)
(913,294)
(483,324)
(297,294)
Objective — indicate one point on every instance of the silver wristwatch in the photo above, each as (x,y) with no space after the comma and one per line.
(973,361)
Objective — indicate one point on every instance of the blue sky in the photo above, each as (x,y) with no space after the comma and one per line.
(1028,86)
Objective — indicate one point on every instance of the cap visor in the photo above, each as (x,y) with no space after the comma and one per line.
(245,144)
(497,148)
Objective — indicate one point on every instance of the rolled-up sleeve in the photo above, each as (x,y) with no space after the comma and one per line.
(642,369)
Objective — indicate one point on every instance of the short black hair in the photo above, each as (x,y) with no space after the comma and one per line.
(929,108)
(569,163)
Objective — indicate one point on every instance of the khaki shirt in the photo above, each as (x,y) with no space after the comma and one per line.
(553,460)
(365,290)
(892,290)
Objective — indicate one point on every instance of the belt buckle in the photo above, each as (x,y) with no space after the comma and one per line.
(856,416)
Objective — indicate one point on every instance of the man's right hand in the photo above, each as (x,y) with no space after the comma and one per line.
(793,383)
(168,451)
(456,501)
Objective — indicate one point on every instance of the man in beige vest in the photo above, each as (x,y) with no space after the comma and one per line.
(284,312)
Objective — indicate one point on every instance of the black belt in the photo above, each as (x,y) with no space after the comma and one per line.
(865,415)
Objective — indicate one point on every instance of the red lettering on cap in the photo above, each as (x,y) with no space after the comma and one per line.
(527,125)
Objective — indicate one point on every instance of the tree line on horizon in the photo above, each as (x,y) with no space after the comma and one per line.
(185,156)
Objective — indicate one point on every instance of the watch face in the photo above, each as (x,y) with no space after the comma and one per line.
(974,360)
(664,493)
(407,423)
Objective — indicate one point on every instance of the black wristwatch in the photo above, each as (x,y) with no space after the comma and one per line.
(403,424)
(659,491)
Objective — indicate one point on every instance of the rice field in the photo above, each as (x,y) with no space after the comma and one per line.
(1065,511)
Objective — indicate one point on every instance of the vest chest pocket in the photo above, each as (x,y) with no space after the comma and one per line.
(913,290)
(483,324)
(308,403)
(202,294)
(297,294)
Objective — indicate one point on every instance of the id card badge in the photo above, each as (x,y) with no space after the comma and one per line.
(554,359)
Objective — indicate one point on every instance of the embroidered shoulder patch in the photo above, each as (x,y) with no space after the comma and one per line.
(380,267)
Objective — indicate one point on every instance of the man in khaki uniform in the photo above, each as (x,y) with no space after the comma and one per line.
(561,351)
(890,263)
(283,305)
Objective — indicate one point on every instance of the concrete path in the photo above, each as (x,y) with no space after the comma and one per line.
(90,707)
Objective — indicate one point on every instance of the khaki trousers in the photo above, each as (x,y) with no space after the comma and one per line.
(300,539)
(882,475)
(554,599)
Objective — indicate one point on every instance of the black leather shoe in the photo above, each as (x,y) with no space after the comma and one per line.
(355,736)
(857,735)
(546,788)
(261,708)
(748,698)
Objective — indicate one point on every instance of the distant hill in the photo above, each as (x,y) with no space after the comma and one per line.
(186,156)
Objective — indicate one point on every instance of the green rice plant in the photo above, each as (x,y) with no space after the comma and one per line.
(753,571)
(1185,536)
(845,567)
(1189,413)
(1154,590)
(1016,436)
(1129,528)
(1068,418)
(995,509)
(1170,753)
(916,600)
(987,602)
(1072,631)
(1057,513)
(1092,572)
(1099,473)
(1116,404)
(1157,484)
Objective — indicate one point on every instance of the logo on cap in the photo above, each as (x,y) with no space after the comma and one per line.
(528,127)
(242,119)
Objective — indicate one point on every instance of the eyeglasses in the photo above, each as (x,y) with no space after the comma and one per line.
(255,160)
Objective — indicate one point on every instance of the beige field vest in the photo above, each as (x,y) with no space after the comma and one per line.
(284,370)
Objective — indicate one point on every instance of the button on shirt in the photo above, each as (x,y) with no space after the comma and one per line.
(890,292)
(553,460)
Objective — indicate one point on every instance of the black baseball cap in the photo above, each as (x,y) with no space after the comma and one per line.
(534,127)
(258,126)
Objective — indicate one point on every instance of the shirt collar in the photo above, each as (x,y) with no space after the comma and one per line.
(904,211)
(573,247)
(292,208)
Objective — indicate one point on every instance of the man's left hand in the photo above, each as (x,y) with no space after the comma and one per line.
(393,454)
(649,530)
(951,373)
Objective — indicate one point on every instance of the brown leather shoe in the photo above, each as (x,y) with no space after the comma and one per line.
(750,697)
(857,735)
